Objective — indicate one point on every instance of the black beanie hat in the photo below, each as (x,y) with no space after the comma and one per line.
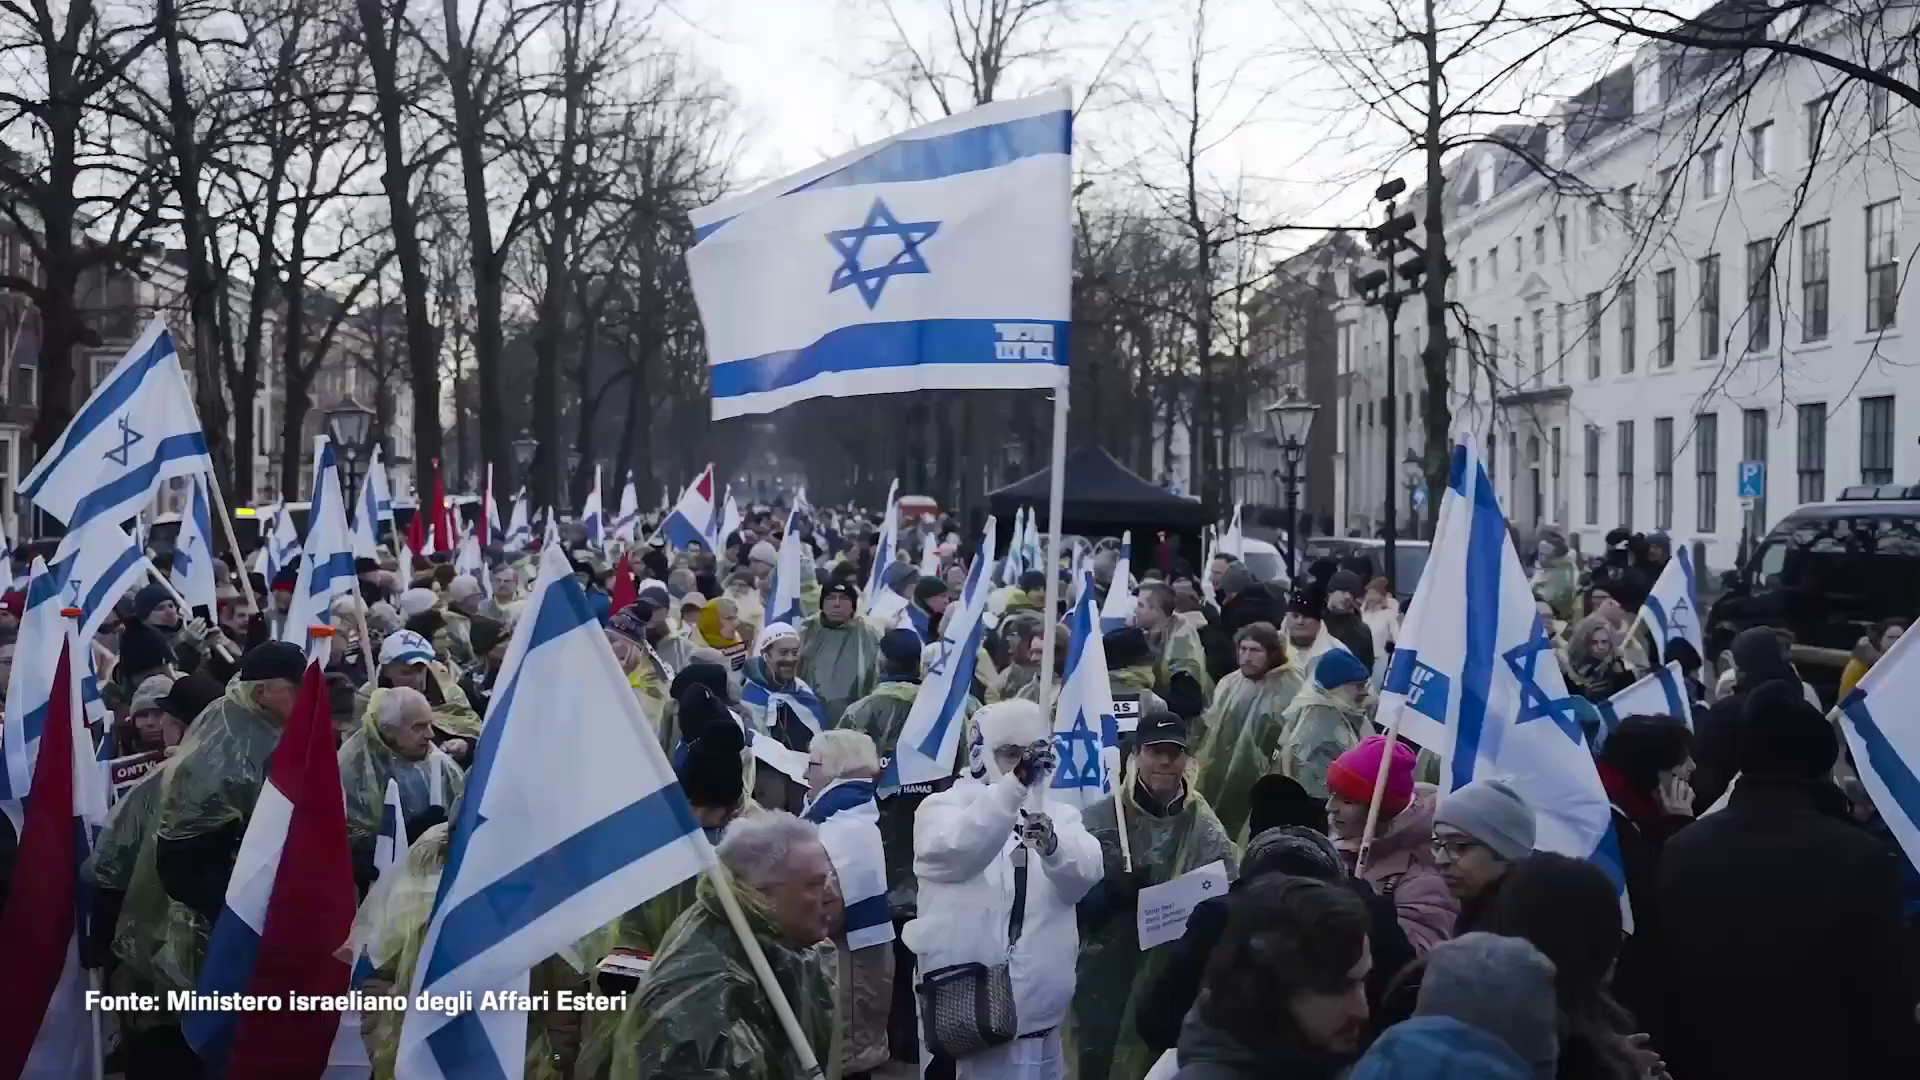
(1126,647)
(190,695)
(901,647)
(1782,734)
(711,676)
(1033,579)
(710,772)
(928,588)
(274,660)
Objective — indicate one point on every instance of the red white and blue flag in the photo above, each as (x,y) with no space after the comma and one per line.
(691,521)
(45,1029)
(288,917)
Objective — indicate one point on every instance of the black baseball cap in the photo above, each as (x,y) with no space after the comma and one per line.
(840,588)
(1160,729)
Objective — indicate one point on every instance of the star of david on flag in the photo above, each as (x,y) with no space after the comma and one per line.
(1089,759)
(128,437)
(871,281)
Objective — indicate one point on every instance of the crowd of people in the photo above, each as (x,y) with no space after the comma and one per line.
(981,927)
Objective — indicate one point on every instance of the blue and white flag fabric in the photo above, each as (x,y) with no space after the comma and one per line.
(519,528)
(848,817)
(1030,548)
(627,523)
(1475,677)
(1117,611)
(593,518)
(550,531)
(193,551)
(764,701)
(690,521)
(326,569)
(726,522)
(1672,608)
(783,600)
(389,844)
(883,551)
(1661,692)
(137,431)
(1206,568)
(1086,732)
(1876,717)
(1012,566)
(938,259)
(378,486)
(1233,542)
(91,579)
(929,742)
(929,554)
(571,817)
(496,527)
(283,542)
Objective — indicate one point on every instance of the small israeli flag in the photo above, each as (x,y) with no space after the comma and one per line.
(193,550)
(930,737)
(1086,733)
(326,571)
(1876,718)
(938,259)
(1672,608)
(883,550)
(1117,611)
(1661,692)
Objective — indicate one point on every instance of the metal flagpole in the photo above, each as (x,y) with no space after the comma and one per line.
(233,543)
(1050,625)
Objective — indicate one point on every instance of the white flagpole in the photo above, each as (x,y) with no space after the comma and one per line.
(1049,625)
(233,543)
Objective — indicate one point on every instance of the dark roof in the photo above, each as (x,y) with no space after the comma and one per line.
(1100,494)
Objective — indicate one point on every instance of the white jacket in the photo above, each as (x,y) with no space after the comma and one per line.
(962,842)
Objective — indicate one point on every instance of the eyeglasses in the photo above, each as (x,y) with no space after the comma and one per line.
(1454,848)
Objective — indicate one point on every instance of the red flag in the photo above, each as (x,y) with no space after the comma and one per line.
(442,525)
(416,536)
(624,590)
(310,915)
(37,929)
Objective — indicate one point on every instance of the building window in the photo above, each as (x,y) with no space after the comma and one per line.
(26,381)
(1760,295)
(1880,102)
(1518,256)
(1593,475)
(1493,348)
(1709,307)
(1626,204)
(1513,468)
(1819,113)
(1876,440)
(1706,472)
(1560,234)
(1593,335)
(1625,298)
(1539,245)
(1519,353)
(1663,473)
(1624,433)
(1710,171)
(1663,314)
(1593,221)
(1473,273)
(1559,342)
(1758,136)
(1883,264)
(1753,444)
(1554,469)
(1539,345)
(1812,452)
(6,486)
(1668,196)
(1493,264)
(1813,281)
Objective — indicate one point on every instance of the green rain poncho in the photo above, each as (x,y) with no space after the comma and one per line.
(700,1014)
(838,662)
(1180,654)
(392,923)
(881,715)
(1243,726)
(1113,974)
(122,856)
(1316,728)
(366,762)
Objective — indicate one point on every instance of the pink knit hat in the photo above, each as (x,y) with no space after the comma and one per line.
(1352,774)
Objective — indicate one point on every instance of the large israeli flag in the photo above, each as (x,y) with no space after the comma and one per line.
(1476,680)
(938,259)
(136,431)
(326,571)
(1672,609)
(1877,719)
(883,551)
(1117,610)
(571,817)
(930,737)
(1086,733)
(193,551)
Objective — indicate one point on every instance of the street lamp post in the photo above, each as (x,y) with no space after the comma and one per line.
(1291,420)
(350,427)
(524,448)
(573,473)
(1413,473)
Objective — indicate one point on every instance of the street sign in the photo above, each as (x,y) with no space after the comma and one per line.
(1753,479)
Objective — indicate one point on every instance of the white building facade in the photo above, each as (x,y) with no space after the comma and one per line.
(1707,282)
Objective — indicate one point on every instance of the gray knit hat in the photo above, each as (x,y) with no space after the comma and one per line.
(1502,985)
(1493,813)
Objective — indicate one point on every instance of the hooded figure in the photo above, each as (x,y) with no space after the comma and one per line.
(719,628)
(1326,718)
(838,652)
(1243,726)
(630,632)
(1556,581)
(880,716)
(1168,838)
(978,844)
(394,742)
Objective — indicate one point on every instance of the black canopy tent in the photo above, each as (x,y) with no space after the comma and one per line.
(1104,498)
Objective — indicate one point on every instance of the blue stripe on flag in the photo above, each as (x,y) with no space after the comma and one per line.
(131,484)
(232,951)
(1882,757)
(878,346)
(955,153)
(1676,705)
(1486,545)
(681,533)
(109,582)
(1658,613)
(101,409)
(461,1048)
(862,914)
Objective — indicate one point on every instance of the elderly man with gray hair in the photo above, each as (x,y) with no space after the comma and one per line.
(701,1013)
(394,745)
(841,768)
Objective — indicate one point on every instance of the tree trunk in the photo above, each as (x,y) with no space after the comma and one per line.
(1437,416)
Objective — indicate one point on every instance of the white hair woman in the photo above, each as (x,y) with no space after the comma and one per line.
(841,768)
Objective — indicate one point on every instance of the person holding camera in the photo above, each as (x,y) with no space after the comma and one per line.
(1000,869)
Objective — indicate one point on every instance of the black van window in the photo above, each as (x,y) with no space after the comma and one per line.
(1837,552)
